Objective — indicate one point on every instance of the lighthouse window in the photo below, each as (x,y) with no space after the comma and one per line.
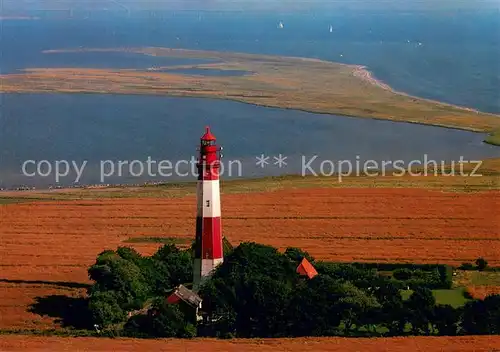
(208,203)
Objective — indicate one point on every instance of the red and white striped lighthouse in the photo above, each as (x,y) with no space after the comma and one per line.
(208,247)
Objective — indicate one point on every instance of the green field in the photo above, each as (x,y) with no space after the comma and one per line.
(454,297)
(163,240)
(493,138)
(466,278)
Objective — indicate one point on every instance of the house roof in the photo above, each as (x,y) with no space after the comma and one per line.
(186,295)
(305,268)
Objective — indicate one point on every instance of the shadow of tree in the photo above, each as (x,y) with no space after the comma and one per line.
(69,311)
(42,282)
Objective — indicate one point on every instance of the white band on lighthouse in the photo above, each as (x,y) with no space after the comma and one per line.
(209,265)
(210,207)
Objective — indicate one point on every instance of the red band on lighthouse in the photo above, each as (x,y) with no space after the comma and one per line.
(208,246)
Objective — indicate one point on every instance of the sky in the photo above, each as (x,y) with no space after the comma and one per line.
(263,5)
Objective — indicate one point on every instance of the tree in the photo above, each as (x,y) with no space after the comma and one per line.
(363,278)
(392,313)
(163,320)
(402,274)
(355,304)
(177,264)
(446,319)
(481,264)
(314,307)
(250,258)
(227,247)
(421,309)
(129,254)
(249,293)
(482,317)
(466,266)
(266,304)
(124,278)
(105,309)
(296,255)
(446,276)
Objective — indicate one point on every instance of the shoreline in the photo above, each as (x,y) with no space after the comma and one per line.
(490,167)
(18,18)
(362,72)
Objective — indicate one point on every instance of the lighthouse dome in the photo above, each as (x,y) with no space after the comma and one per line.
(208,136)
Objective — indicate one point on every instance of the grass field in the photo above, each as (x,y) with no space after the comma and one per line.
(399,344)
(493,138)
(477,278)
(454,297)
(478,284)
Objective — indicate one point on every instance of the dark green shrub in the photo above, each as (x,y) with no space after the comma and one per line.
(481,264)
(467,266)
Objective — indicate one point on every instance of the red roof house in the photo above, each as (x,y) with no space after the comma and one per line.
(305,268)
(181,293)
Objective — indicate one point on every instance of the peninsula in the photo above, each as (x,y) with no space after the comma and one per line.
(274,81)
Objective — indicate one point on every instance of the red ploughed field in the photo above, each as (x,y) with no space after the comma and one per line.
(46,245)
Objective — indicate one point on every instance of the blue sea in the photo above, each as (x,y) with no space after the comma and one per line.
(451,57)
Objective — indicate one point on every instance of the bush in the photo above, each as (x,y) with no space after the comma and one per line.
(402,274)
(177,265)
(122,277)
(481,264)
(249,292)
(129,254)
(363,277)
(169,321)
(467,294)
(297,254)
(482,317)
(105,309)
(189,331)
(446,276)
(467,266)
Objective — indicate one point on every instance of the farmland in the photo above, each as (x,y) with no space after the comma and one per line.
(480,292)
(58,240)
(418,343)
(49,238)
(47,245)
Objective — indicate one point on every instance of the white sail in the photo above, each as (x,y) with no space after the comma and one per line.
(280,25)
(331,29)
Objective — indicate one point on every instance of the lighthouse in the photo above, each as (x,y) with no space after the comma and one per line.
(208,250)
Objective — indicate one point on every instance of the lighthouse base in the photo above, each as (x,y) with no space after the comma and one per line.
(203,269)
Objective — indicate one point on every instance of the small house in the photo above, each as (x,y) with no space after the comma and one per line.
(305,268)
(183,295)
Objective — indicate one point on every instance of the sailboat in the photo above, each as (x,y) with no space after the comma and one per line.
(280,25)
(330,29)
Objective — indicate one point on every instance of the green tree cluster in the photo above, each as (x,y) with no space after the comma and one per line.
(125,280)
(257,292)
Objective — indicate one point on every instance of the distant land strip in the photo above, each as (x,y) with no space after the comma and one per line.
(306,84)
(11,18)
